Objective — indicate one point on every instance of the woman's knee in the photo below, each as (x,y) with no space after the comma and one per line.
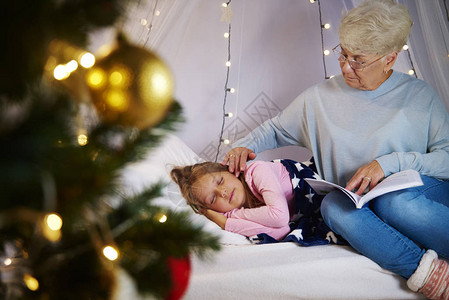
(336,209)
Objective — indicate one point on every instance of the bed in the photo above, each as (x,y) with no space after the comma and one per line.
(242,270)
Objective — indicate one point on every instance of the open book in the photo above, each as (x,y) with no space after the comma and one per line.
(397,181)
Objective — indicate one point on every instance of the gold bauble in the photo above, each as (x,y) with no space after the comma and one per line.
(131,86)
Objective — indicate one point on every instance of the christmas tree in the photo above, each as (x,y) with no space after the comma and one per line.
(69,123)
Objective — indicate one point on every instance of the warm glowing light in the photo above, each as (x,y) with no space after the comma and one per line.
(144,22)
(71,66)
(326,52)
(157,13)
(31,282)
(53,221)
(82,140)
(117,99)
(226,35)
(327,26)
(228,64)
(405,47)
(96,78)
(116,78)
(7,262)
(163,219)
(110,253)
(61,72)
(226,141)
(87,60)
(312,1)
(224,4)
(229,115)
(160,83)
(411,72)
(231,90)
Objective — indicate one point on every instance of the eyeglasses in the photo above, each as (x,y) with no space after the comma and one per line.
(355,65)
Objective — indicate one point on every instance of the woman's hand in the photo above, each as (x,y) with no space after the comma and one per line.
(215,217)
(367,176)
(237,158)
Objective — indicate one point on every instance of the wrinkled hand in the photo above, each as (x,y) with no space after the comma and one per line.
(237,158)
(367,176)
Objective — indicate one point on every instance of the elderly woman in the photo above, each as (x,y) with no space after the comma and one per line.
(366,124)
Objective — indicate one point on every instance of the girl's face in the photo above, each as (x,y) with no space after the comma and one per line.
(220,191)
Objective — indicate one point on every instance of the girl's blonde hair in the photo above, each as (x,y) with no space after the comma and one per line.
(186,177)
(375,27)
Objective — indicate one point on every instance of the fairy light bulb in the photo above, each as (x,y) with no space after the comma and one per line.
(82,139)
(405,47)
(31,282)
(225,141)
(7,261)
(87,60)
(327,26)
(229,115)
(224,4)
(162,219)
(53,221)
(60,72)
(231,90)
(110,253)
(411,72)
(228,64)
(71,66)
(326,52)
(226,35)
(157,13)
(312,1)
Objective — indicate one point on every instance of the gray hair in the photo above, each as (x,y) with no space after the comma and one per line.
(375,27)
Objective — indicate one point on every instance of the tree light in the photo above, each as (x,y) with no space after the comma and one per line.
(53,221)
(87,60)
(31,282)
(110,253)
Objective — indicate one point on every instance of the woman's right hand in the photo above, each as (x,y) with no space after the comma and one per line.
(237,158)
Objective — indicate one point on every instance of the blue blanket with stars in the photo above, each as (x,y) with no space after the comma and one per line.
(307,227)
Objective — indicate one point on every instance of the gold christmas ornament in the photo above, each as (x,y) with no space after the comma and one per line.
(131,86)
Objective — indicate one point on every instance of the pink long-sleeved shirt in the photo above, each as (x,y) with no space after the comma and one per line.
(270,183)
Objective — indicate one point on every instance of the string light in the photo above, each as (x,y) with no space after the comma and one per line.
(227,14)
(110,253)
(31,282)
(229,115)
(53,221)
(7,261)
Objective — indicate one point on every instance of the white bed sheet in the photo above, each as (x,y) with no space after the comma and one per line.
(271,271)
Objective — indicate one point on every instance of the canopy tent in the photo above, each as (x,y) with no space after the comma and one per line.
(276,51)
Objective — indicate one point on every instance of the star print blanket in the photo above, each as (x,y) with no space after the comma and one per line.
(307,225)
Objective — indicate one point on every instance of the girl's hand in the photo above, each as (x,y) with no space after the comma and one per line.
(237,158)
(367,176)
(215,217)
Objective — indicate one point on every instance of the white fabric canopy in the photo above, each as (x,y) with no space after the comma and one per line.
(276,53)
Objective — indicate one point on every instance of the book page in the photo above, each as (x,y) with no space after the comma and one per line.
(394,182)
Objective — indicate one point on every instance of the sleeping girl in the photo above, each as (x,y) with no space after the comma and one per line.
(267,198)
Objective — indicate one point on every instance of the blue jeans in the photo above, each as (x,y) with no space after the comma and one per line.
(395,229)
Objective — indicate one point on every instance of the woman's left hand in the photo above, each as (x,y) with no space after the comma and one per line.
(367,176)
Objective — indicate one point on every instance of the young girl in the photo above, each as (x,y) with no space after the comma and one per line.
(262,201)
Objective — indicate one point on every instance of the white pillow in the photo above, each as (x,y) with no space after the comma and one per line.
(156,167)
